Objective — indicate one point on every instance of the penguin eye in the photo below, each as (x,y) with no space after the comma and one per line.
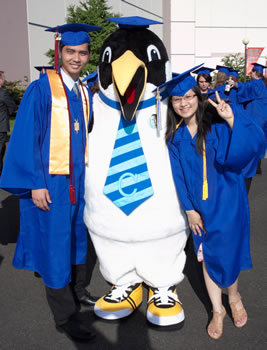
(153,53)
(106,57)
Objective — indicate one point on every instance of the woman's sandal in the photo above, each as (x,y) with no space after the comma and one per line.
(239,313)
(215,328)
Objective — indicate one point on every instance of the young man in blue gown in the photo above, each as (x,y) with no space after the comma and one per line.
(45,166)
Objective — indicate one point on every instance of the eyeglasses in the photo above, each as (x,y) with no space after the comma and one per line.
(186,98)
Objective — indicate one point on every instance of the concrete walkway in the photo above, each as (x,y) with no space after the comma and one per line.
(26,322)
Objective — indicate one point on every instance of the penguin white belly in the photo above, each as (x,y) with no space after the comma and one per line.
(160,215)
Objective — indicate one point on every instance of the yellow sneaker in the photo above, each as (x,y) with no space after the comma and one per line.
(119,302)
(164,307)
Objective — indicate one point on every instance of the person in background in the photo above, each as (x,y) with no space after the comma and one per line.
(7,107)
(253,94)
(234,74)
(45,166)
(209,145)
(204,79)
(222,75)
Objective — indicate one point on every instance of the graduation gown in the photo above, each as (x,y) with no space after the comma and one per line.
(251,168)
(49,242)
(226,95)
(254,94)
(226,211)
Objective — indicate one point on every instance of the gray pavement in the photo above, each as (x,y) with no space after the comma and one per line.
(26,322)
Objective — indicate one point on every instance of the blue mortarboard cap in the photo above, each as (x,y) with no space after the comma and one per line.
(133,22)
(234,72)
(223,69)
(43,68)
(181,83)
(74,34)
(258,67)
(203,70)
(91,78)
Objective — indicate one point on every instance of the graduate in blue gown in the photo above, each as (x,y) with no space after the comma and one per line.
(253,94)
(45,166)
(204,80)
(209,145)
(229,94)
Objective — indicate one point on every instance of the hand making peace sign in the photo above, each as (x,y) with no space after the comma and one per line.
(223,109)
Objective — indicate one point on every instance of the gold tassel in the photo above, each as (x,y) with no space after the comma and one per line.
(205,191)
(157,109)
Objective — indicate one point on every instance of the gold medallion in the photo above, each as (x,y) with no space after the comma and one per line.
(76,126)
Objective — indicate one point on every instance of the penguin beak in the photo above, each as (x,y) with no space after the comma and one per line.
(129,76)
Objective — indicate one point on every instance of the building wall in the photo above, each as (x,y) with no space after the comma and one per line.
(41,14)
(145,8)
(193,32)
(208,30)
(14,44)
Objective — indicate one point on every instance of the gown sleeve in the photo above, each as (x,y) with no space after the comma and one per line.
(237,147)
(178,177)
(249,90)
(23,168)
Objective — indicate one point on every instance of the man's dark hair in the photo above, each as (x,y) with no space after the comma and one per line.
(61,47)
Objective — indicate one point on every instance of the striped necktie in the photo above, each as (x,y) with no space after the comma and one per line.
(76,90)
(128,183)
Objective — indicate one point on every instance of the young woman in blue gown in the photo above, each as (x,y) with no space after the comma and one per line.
(209,146)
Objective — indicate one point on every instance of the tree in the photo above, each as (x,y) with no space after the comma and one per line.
(235,61)
(91,12)
(15,90)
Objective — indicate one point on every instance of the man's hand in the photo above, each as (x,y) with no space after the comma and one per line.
(41,198)
(195,222)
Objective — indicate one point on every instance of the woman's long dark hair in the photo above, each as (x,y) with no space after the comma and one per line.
(261,76)
(206,115)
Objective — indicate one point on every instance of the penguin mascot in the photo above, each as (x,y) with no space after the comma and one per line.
(132,210)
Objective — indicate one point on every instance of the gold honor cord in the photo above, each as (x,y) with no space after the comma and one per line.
(86,113)
(205,190)
(59,153)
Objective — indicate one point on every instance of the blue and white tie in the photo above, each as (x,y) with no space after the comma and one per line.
(128,183)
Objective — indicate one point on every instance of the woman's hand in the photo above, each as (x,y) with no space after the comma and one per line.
(195,222)
(231,83)
(223,109)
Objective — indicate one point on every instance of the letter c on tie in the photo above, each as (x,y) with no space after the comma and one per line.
(123,176)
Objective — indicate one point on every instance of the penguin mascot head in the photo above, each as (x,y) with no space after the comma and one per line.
(133,61)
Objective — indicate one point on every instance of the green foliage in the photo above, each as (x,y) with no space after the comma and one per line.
(236,61)
(91,12)
(15,90)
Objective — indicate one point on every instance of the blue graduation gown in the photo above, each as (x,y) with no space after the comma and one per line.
(226,95)
(250,169)
(254,95)
(50,242)
(226,211)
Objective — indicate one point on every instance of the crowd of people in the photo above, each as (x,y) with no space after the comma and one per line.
(216,135)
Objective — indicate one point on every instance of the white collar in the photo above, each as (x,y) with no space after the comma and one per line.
(68,80)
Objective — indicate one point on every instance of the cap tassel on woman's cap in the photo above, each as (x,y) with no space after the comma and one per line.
(158,120)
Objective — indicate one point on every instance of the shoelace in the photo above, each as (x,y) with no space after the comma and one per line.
(164,296)
(119,293)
